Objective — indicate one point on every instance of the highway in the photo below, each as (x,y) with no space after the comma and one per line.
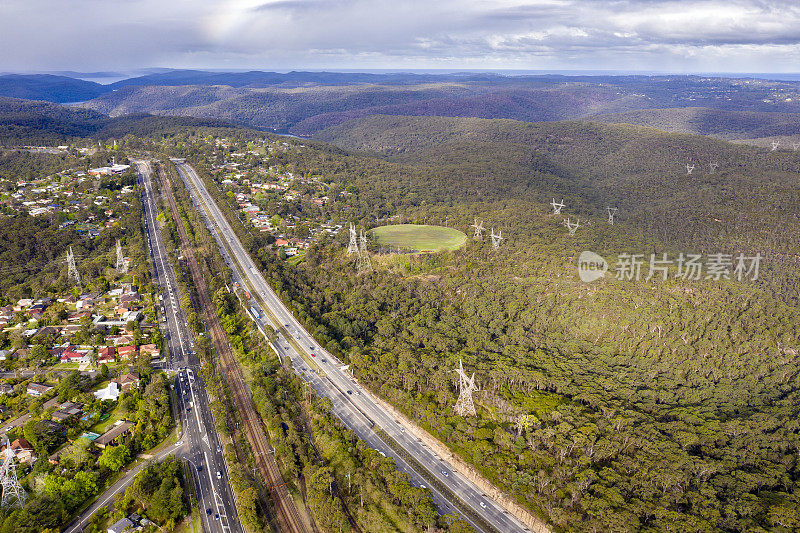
(199,445)
(351,403)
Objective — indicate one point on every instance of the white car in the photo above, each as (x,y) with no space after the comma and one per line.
(482,505)
(219,474)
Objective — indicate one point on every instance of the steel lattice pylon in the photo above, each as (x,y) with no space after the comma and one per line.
(478,229)
(496,238)
(364,263)
(13,493)
(122,266)
(352,247)
(466,386)
(72,269)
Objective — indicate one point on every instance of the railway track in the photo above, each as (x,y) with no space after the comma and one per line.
(288,515)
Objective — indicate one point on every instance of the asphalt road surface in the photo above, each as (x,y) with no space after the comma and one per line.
(351,404)
(199,444)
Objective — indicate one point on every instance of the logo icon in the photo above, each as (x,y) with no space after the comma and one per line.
(591,266)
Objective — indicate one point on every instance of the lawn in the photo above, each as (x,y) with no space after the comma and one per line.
(102,426)
(414,237)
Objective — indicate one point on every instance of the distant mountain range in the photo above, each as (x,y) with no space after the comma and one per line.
(303,103)
(50,88)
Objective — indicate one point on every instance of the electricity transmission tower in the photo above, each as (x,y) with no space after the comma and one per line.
(72,270)
(775,145)
(13,493)
(364,263)
(612,212)
(572,227)
(689,169)
(122,266)
(466,386)
(352,247)
(496,239)
(478,229)
(557,207)
(713,166)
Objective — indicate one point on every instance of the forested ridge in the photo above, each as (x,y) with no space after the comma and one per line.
(616,406)
(25,122)
(303,103)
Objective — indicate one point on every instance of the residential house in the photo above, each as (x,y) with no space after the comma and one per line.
(109,392)
(37,389)
(130,297)
(150,349)
(111,435)
(67,410)
(23,303)
(49,331)
(106,354)
(121,526)
(126,381)
(71,356)
(23,450)
(78,315)
(120,339)
(126,352)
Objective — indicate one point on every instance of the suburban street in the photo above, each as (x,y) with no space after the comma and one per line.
(107,497)
(199,445)
(351,403)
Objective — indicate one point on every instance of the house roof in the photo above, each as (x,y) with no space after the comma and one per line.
(113,433)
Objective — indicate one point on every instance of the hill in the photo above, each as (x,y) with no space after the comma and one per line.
(302,103)
(50,88)
(722,123)
(641,171)
(29,122)
(627,404)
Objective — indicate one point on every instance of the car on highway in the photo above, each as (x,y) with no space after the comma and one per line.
(313,354)
(324,360)
(219,474)
(199,468)
(350,392)
(482,505)
(208,512)
(445,473)
(216,516)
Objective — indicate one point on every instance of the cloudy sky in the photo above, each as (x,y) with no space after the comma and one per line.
(650,35)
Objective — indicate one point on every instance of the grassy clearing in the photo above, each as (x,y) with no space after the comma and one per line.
(102,427)
(419,238)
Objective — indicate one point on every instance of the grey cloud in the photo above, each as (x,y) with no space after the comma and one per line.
(95,34)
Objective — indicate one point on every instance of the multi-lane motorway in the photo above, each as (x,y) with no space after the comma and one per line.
(329,377)
(199,444)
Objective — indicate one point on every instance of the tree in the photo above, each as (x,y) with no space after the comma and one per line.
(115,457)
